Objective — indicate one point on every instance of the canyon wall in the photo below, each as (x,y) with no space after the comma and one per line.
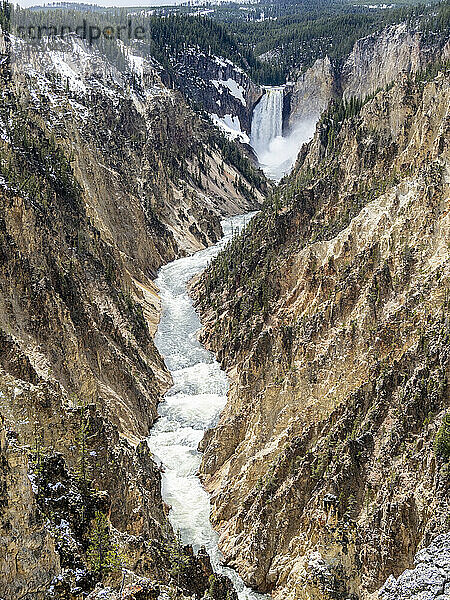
(105,175)
(330,314)
(217,85)
(310,93)
(375,62)
(379,59)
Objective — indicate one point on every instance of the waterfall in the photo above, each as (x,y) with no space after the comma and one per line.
(267,121)
(276,154)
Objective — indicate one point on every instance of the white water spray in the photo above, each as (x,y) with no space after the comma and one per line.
(276,153)
(191,406)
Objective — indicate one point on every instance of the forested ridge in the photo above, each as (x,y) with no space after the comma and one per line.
(295,41)
(287,38)
(166,38)
(5,14)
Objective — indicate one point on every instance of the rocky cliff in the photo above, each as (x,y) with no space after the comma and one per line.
(374,62)
(330,314)
(380,58)
(28,556)
(104,176)
(217,85)
(309,95)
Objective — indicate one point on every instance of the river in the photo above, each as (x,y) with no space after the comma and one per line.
(191,406)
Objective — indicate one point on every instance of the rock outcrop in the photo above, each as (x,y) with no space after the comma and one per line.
(310,93)
(28,557)
(430,577)
(375,62)
(217,85)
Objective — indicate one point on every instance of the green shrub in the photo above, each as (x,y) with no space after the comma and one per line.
(442,441)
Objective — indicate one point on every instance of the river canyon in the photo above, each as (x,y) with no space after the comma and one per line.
(224,304)
(191,406)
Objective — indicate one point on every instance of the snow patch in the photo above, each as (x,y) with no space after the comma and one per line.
(136,62)
(66,71)
(32,478)
(235,89)
(231,127)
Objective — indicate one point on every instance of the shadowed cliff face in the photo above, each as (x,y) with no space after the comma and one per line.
(99,186)
(218,85)
(330,314)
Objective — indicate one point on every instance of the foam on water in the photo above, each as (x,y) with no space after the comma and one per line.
(191,406)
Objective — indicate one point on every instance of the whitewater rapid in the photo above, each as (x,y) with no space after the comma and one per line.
(191,406)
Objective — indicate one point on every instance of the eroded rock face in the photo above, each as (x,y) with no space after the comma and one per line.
(217,85)
(146,162)
(105,177)
(332,320)
(28,557)
(311,93)
(378,59)
(430,577)
(140,198)
(375,62)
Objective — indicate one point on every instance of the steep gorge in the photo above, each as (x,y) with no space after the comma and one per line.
(330,314)
(92,204)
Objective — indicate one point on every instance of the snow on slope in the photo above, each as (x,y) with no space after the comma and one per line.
(236,90)
(231,126)
(81,70)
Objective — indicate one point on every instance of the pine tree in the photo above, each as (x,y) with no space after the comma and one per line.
(102,555)
(84,468)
